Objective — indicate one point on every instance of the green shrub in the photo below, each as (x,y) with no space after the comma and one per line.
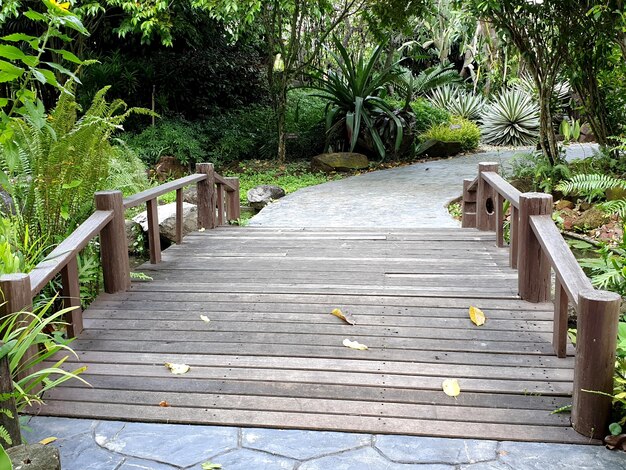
(179,138)
(458,130)
(427,116)
(126,171)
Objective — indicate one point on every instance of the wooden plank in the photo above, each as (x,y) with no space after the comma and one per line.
(303,420)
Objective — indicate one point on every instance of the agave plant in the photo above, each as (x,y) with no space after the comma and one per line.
(353,95)
(512,118)
(457,102)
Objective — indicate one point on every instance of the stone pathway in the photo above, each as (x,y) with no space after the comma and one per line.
(114,445)
(413,196)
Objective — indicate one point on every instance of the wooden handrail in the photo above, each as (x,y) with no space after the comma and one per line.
(228,186)
(52,264)
(502,187)
(537,247)
(562,260)
(153,193)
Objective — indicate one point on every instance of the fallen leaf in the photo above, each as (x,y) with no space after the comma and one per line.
(347,317)
(451,387)
(354,345)
(204,318)
(477,316)
(177,369)
(615,442)
(47,440)
(211,466)
(164,404)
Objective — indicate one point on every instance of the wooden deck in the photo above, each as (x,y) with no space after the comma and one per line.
(272,354)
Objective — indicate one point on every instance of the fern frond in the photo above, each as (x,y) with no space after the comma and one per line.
(4,435)
(590,185)
(614,207)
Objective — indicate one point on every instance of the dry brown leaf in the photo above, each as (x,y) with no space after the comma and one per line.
(477,316)
(164,404)
(347,317)
(177,369)
(451,387)
(615,442)
(354,345)
(47,440)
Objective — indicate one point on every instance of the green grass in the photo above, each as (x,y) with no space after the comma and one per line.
(290,176)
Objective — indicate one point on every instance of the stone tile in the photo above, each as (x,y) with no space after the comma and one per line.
(410,449)
(173,444)
(246,459)
(136,464)
(82,453)
(497,465)
(364,459)
(537,456)
(40,427)
(301,445)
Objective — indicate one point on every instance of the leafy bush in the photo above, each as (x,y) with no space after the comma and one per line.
(179,138)
(458,130)
(427,116)
(534,172)
(412,86)
(512,118)
(127,172)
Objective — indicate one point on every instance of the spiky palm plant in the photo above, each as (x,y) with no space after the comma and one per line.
(353,95)
(412,86)
(443,96)
(458,102)
(512,118)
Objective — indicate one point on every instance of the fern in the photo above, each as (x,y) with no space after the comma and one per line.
(4,435)
(614,207)
(590,185)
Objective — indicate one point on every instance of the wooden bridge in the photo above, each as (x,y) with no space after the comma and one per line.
(272,353)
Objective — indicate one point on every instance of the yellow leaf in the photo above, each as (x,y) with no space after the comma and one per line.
(347,317)
(354,345)
(451,387)
(47,440)
(164,404)
(204,318)
(177,369)
(477,316)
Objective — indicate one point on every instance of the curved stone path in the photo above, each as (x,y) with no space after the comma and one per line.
(413,196)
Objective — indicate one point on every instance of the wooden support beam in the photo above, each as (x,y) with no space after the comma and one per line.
(499,220)
(10,423)
(514,234)
(220,204)
(559,327)
(206,196)
(113,243)
(532,263)
(485,199)
(154,237)
(596,342)
(469,205)
(71,298)
(179,216)
(233,206)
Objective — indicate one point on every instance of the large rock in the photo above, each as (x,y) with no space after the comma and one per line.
(339,161)
(438,149)
(190,194)
(34,457)
(586,134)
(134,235)
(167,220)
(261,196)
(591,219)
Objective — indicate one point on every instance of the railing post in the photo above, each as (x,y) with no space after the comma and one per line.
(11,424)
(71,298)
(154,237)
(469,205)
(596,342)
(233,207)
(499,220)
(485,199)
(514,236)
(532,264)
(559,325)
(113,243)
(179,216)
(206,196)
(17,297)
(220,204)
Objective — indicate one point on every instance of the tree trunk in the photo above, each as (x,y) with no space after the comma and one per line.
(281,111)
(547,136)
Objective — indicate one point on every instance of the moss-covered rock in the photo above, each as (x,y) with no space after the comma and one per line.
(591,219)
(339,161)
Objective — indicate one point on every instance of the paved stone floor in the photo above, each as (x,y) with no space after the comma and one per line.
(114,445)
(405,197)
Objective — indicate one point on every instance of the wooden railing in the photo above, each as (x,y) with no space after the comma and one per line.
(218,202)
(536,249)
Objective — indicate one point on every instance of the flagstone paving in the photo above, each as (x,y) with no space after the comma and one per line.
(116,445)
